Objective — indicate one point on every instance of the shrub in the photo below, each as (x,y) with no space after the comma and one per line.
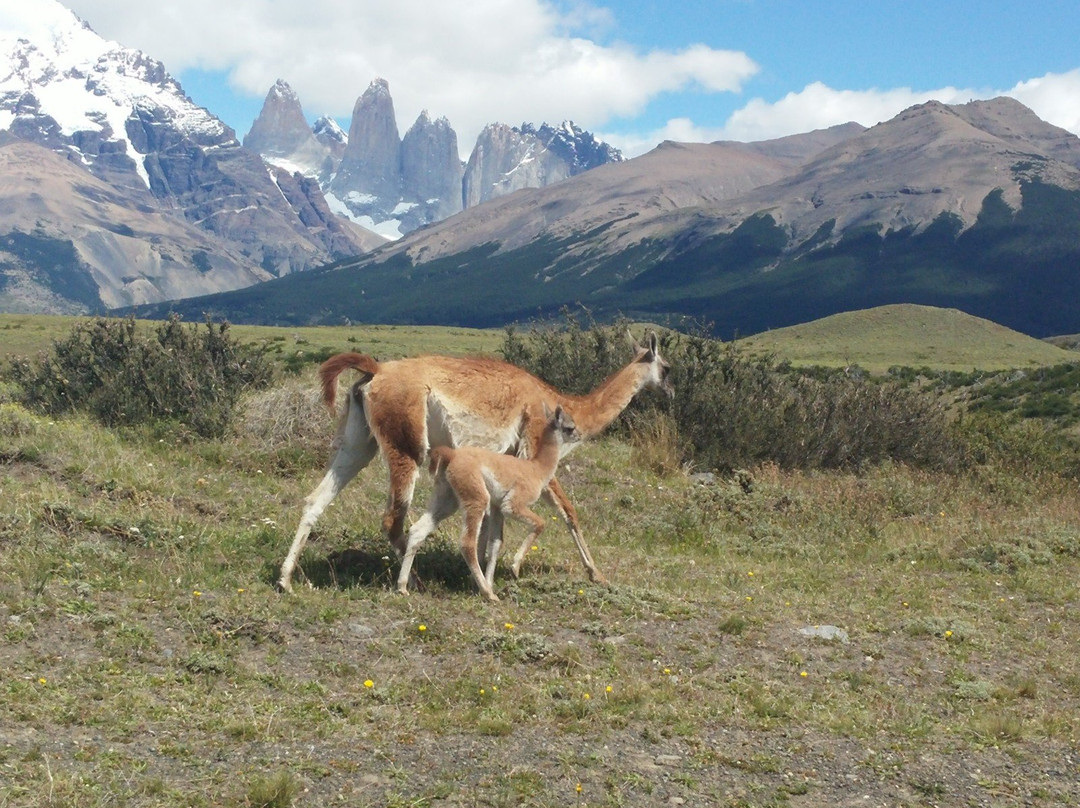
(573,357)
(286,426)
(108,368)
(737,410)
(732,410)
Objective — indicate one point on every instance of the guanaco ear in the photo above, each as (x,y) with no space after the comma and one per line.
(633,342)
(547,410)
(558,417)
(650,353)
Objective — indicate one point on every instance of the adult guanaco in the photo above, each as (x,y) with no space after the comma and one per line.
(404,407)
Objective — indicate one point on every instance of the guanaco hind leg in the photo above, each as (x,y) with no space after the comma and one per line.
(474,516)
(356,451)
(442,504)
(491,535)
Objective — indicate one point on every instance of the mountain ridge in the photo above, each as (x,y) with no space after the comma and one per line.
(973,206)
(119,116)
(395,184)
(925,208)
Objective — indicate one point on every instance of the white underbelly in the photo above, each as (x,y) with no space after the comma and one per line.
(450,426)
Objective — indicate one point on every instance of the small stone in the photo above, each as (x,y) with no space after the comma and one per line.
(825,633)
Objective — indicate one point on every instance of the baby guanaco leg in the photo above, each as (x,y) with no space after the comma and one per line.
(474,517)
(530,517)
(442,504)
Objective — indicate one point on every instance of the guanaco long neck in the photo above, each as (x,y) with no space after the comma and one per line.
(594,411)
(547,453)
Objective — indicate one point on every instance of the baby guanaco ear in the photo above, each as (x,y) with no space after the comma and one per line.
(558,417)
(547,410)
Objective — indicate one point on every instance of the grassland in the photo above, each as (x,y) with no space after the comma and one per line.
(875,339)
(908,336)
(148,660)
(25,334)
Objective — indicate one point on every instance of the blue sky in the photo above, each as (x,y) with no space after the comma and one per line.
(634,72)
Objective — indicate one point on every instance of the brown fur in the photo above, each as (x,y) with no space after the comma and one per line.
(482,482)
(404,407)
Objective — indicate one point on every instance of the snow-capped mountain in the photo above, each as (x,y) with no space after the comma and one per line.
(509,158)
(190,210)
(394,184)
(67,87)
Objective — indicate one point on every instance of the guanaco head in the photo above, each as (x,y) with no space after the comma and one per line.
(658,370)
(561,427)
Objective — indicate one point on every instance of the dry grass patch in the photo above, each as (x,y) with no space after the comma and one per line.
(160,668)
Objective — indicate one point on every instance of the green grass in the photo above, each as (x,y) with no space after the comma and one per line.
(26,334)
(907,335)
(874,339)
(148,660)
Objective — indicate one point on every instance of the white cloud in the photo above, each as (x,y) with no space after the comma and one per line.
(474,61)
(1054,97)
(818,106)
(680,130)
(481,61)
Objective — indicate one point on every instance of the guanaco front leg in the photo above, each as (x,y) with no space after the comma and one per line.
(530,517)
(556,496)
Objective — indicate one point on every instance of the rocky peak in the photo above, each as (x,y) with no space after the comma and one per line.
(114,115)
(431,169)
(506,159)
(1011,121)
(281,130)
(580,149)
(370,165)
(333,139)
(327,131)
(395,185)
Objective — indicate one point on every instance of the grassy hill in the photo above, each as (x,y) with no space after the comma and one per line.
(908,335)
